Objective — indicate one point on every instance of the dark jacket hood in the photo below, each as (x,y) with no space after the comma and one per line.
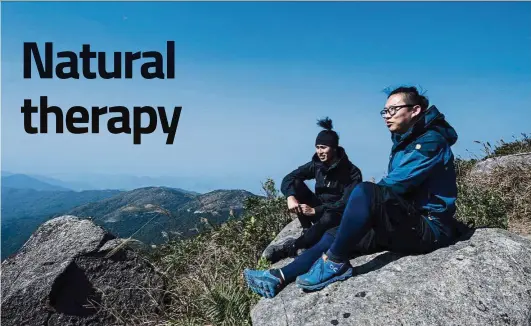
(432,119)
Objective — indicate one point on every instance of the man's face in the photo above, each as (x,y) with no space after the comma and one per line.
(400,115)
(325,153)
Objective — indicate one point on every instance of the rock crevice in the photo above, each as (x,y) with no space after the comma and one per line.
(72,272)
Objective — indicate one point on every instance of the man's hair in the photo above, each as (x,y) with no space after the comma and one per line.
(411,96)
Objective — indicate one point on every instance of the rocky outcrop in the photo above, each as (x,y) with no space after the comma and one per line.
(490,164)
(72,272)
(484,279)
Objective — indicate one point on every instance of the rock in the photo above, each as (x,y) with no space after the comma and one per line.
(292,230)
(114,244)
(483,280)
(67,273)
(488,165)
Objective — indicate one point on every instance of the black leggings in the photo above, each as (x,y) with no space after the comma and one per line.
(315,227)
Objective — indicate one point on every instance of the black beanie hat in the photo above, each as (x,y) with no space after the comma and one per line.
(327,137)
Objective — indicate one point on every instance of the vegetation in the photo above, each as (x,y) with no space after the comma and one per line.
(205,272)
(502,197)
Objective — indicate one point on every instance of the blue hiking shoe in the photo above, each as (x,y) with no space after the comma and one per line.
(323,273)
(262,283)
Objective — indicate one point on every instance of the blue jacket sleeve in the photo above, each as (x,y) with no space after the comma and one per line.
(415,166)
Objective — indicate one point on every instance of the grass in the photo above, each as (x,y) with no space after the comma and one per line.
(502,197)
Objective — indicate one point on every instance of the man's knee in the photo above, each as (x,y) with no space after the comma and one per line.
(302,193)
(300,186)
(365,188)
(297,183)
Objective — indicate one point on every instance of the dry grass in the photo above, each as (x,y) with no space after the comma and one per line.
(512,186)
(500,197)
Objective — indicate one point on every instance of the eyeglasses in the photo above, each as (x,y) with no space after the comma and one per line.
(392,110)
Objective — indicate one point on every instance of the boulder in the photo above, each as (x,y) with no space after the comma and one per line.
(488,165)
(484,279)
(291,231)
(72,272)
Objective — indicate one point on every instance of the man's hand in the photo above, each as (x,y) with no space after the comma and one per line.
(307,210)
(293,205)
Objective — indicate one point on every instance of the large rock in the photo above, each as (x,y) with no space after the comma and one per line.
(72,272)
(292,230)
(482,280)
(488,165)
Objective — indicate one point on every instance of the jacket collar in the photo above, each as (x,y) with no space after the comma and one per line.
(432,118)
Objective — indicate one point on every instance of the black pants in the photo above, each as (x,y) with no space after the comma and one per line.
(314,227)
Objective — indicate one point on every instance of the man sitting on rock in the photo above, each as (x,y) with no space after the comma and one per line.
(335,177)
(409,211)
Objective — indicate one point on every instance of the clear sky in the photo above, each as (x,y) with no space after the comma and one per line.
(253,78)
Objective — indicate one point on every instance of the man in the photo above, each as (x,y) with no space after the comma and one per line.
(409,211)
(335,177)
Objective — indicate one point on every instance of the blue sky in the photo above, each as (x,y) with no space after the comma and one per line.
(254,77)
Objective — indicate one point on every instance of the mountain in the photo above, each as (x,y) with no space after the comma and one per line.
(151,214)
(217,201)
(73,185)
(23,210)
(196,184)
(155,214)
(22,181)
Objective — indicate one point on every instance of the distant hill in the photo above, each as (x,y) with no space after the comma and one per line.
(217,201)
(154,214)
(23,210)
(22,181)
(73,185)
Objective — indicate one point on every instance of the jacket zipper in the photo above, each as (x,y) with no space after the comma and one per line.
(326,185)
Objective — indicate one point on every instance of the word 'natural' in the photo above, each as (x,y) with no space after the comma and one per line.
(70,67)
(115,125)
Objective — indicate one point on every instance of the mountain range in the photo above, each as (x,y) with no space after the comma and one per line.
(152,214)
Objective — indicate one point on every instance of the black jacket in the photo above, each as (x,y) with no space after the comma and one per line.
(333,184)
